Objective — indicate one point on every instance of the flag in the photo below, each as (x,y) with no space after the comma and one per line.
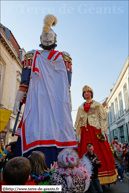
(4,118)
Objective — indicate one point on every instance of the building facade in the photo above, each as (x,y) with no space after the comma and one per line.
(118,107)
(10,76)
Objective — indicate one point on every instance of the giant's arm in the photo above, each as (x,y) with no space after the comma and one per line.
(68,65)
(103,119)
(77,125)
(25,78)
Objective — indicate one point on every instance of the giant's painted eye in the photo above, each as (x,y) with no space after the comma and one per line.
(72,159)
(66,159)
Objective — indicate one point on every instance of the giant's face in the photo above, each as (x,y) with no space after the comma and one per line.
(68,158)
(87,94)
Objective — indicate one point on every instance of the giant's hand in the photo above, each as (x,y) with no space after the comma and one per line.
(16,107)
(104,135)
(19,98)
(79,138)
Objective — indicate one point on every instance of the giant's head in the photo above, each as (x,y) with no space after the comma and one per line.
(48,37)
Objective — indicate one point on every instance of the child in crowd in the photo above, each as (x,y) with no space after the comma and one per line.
(121,145)
(114,143)
(40,174)
(17,172)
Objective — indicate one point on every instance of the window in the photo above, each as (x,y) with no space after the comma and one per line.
(0,82)
(21,56)
(120,104)
(116,132)
(112,112)
(116,108)
(18,80)
(128,93)
(2,70)
(122,134)
(110,117)
(0,75)
(112,132)
(125,97)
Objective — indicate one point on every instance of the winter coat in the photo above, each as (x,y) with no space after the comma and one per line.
(118,155)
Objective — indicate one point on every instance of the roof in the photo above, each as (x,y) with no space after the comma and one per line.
(12,39)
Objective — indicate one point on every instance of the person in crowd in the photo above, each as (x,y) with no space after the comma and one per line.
(2,143)
(2,163)
(3,154)
(95,183)
(127,159)
(17,172)
(10,154)
(114,143)
(71,172)
(124,146)
(121,145)
(7,154)
(91,127)
(6,150)
(40,174)
(118,155)
(126,143)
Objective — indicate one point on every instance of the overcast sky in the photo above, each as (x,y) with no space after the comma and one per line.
(94,33)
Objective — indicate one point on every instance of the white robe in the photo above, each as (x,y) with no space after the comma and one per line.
(47,117)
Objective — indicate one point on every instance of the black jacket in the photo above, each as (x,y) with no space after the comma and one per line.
(127,156)
(95,166)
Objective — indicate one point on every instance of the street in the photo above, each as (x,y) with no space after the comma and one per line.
(119,187)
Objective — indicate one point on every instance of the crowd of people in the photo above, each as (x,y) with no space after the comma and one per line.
(121,155)
(72,173)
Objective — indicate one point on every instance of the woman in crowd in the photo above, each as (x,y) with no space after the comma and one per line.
(118,155)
